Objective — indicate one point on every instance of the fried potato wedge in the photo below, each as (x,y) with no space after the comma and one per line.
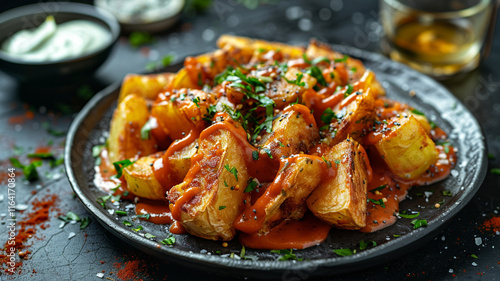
(407,149)
(218,174)
(181,112)
(124,140)
(283,93)
(341,200)
(294,132)
(141,180)
(353,115)
(146,86)
(285,198)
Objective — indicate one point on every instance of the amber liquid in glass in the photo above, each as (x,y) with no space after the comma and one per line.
(444,45)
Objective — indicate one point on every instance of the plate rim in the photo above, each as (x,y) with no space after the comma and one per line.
(378,254)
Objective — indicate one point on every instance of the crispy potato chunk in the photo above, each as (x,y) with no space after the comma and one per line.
(294,132)
(125,134)
(353,114)
(341,200)
(407,149)
(140,178)
(181,112)
(284,93)
(146,86)
(219,173)
(285,198)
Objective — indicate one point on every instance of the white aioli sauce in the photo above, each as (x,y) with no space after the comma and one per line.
(51,42)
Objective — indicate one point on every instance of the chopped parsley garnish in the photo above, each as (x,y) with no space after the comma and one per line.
(286,254)
(252,88)
(297,81)
(363,245)
(319,60)
(232,170)
(344,252)
(377,202)
(268,152)
(255,155)
(396,235)
(222,207)
(328,163)
(315,72)
(29,171)
(196,101)
(168,241)
(103,199)
(137,228)
(495,171)
(144,216)
(337,162)
(447,193)
(146,129)
(149,235)
(70,216)
(211,111)
(280,144)
(417,112)
(328,115)
(138,38)
(120,165)
(121,213)
(433,125)
(491,156)
(251,185)
(378,188)
(409,216)
(43,155)
(348,91)
(418,223)
(127,223)
(56,133)
(56,162)
(96,150)
(474,256)
(84,223)
(344,59)
(446,145)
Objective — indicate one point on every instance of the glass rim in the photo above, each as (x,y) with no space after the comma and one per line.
(467,12)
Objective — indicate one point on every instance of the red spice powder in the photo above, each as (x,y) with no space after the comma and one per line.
(37,216)
(129,270)
(492,224)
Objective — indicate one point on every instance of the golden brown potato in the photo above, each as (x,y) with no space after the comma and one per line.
(285,198)
(218,175)
(146,86)
(294,132)
(353,115)
(341,200)
(124,140)
(422,119)
(406,148)
(182,112)
(283,93)
(141,180)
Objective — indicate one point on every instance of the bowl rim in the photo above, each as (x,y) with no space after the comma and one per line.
(63,7)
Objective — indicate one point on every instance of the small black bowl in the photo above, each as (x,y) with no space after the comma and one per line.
(61,71)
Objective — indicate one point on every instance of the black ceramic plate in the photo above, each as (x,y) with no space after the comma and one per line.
(91,125)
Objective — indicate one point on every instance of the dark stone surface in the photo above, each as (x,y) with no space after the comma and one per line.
(94,250)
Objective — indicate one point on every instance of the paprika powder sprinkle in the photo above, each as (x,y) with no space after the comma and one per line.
(38,216)
(492,224)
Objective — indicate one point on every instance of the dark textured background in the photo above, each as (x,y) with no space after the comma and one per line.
(354,23)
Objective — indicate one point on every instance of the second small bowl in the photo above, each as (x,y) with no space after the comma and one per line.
(61,71)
